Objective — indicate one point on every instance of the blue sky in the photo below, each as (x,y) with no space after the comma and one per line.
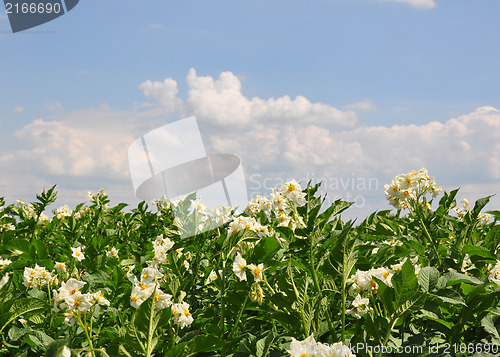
(388,86)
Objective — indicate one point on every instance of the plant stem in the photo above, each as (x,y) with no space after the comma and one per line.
(84,327)
(434,245)
(222,301)
(318,289)
(236,323)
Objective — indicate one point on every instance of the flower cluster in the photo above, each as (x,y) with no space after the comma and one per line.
(143,288)
(240,267)
(29,211)
(309,347)
(4,263)
(7,227)
(359,307)
(36,277)
(483,218)
(70,298)
(282,204)
(181,314)
(150,280)
(249,223)
(363,280)
(100,199)
(161,246)
(409,188)
(63,211)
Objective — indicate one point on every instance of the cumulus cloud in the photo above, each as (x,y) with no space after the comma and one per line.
(18,109)
(419,4)
(464,148)
(165,93)
(221,102)
(274,137)
(87,143)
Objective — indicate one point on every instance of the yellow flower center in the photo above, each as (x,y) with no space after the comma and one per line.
(157,297)
(78,302)
(143,287)
(256,271)
(73,291)
(408,180)
(134,298)
(187,313)
(373,283)
(291,188)
(386,274)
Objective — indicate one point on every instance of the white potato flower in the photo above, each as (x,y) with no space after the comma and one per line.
(360,307)
(181,314)
(112,253)
(256,271)
(78,254)
(239,267)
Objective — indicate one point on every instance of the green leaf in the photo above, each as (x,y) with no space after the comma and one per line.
(473,250)
(41,249)
(405,283)
(488,323)
(264,344)
(454,278)
(413,304)
(179,350)
(386,295)
(265,250)
(17,308)
(450,296)
(19,244)
(479,205)
(147,318)
(428,278)
(204,343)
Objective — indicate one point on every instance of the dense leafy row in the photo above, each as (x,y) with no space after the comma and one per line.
(287,277)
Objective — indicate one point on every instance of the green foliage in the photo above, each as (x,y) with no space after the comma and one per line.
(430,279)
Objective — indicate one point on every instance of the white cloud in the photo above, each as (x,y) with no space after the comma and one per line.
(165,93)
(277,139)
(463,149)
(221,102)
(18,109)
(419,4)
(92,142)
